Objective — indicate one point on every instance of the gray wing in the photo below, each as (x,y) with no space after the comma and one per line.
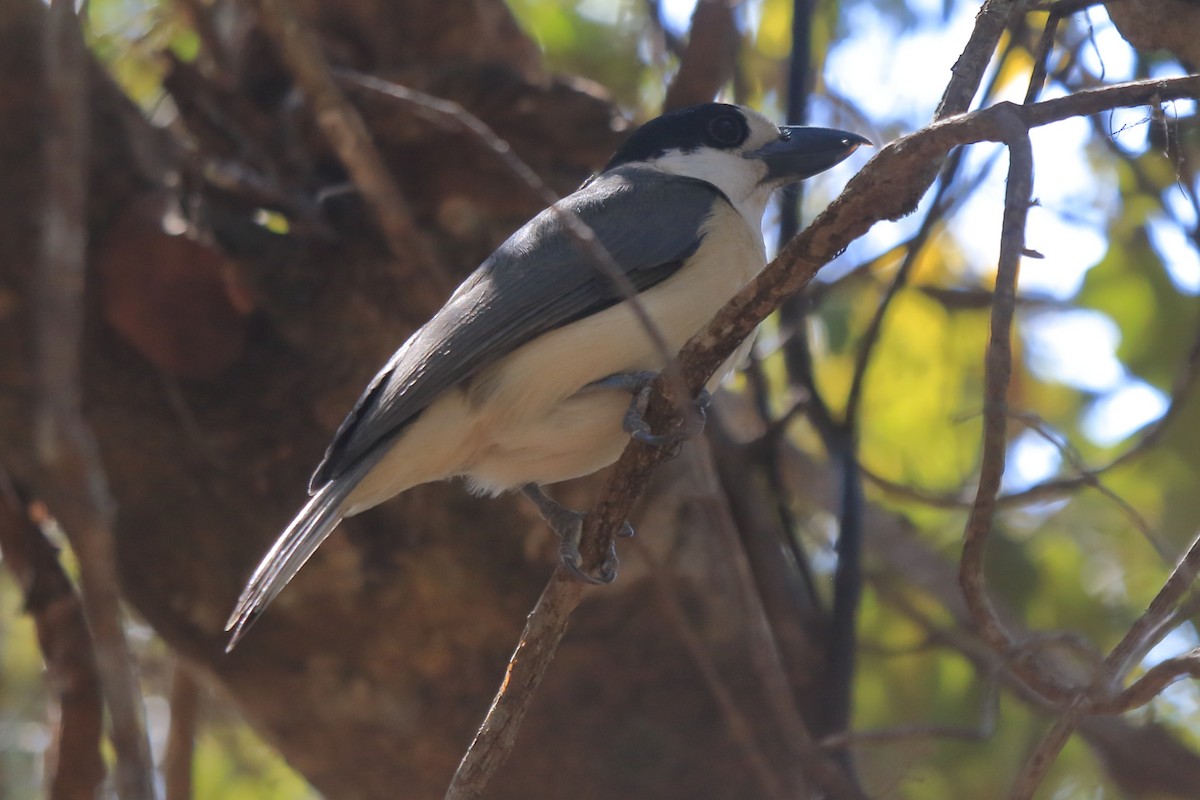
(538,280)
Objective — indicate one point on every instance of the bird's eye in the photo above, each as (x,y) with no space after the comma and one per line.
(726,130)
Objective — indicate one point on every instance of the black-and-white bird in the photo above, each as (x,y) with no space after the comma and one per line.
(523,378)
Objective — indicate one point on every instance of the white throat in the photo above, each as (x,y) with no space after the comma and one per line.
(738,178)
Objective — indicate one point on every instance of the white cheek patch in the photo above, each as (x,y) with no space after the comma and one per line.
(738,178)
(734,175)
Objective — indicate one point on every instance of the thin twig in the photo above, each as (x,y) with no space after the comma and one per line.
(1101,695)
(446,112)
(736,721)
(835,779)
(343,126)
(888,186)
(1091,479)
(906,733)
(1033,772)
(839,440)
(1149,625)
(72,478)
(1147,687)
(989,712)
(497,733)
(784,587)
(766,448)
(997,372)
(898,547)
(1041,55)
(1185,380)
(776,578)
(968,70)
(939,207)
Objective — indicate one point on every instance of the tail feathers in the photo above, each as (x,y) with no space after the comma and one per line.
(292,549)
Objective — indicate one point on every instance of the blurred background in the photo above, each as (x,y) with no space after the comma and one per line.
(1103,452)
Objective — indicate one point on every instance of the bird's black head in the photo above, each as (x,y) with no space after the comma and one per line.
(717,125)
(737,150)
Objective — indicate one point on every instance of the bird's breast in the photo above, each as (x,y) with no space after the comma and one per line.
(540,422)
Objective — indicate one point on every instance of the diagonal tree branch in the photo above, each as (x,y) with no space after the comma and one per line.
(993,17)
(343,126)
(544,629)
(890,185)
(741,730)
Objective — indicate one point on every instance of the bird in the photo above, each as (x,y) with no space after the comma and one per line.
(530,373)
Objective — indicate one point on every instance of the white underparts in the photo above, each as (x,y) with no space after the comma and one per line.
(530,419)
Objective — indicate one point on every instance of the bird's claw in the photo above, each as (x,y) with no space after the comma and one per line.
(572,561)
(568,524)
(634,421)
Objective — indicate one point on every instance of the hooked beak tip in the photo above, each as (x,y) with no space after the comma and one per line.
(801,152)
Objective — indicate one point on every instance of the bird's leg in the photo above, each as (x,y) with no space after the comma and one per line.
(568,524)
(634,421)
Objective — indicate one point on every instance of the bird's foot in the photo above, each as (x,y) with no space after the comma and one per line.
(568,524)
(634,421)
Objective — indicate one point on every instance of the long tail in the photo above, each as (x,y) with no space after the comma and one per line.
(294,547)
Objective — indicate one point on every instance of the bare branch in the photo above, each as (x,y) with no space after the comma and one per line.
(547,623)
(1142,634)
(998,369)
(1150,685)
(988,715)
(833,778)
(906,733)
(1038,763)
(939,207)
(968,70)
(889,186)
(445,112)
(783,582)
(1185,380)
(1135,756)
(343,126)
(71,477)
(493,743)
(1041,54)
(707,62)
(1090,478)
(1101,695)
(740,729)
